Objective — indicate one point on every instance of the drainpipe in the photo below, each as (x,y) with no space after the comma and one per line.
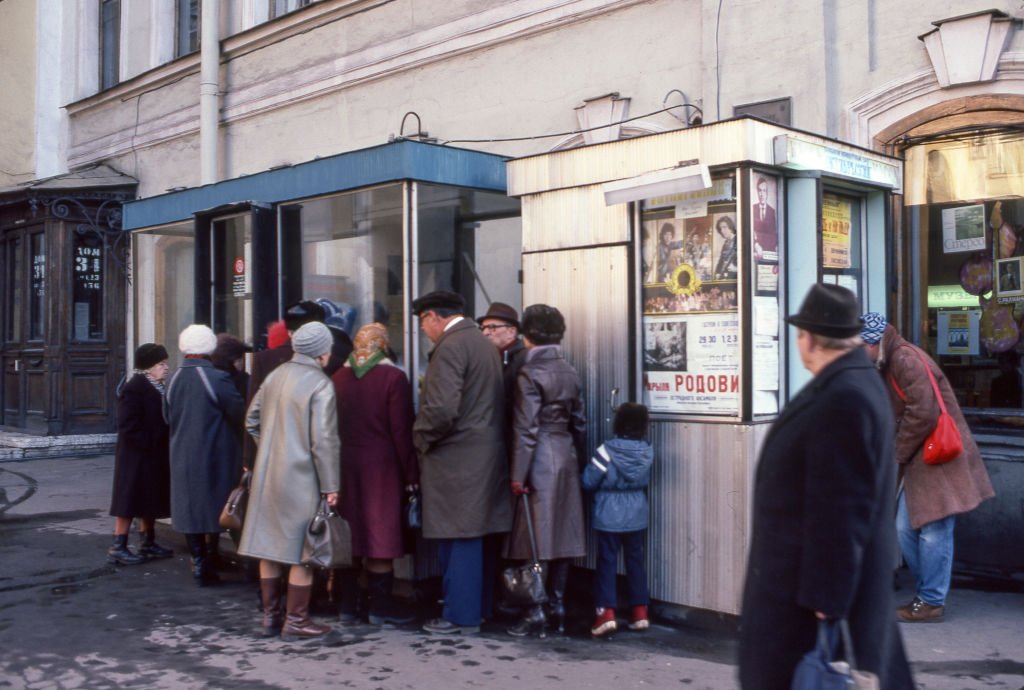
(209,83)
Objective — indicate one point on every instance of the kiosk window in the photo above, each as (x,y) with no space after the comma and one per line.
(963,209)
(841,241)
(164,301)
(690,326)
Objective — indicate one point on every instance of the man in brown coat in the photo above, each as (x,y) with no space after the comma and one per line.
(930,496)
(463,470)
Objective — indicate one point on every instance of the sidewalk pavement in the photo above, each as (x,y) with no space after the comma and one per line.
(69,620)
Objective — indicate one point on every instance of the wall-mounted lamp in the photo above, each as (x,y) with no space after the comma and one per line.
(689,176)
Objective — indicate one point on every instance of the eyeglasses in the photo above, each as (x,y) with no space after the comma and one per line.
(494,327)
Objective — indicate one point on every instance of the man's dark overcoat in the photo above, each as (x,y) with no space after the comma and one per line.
(823,530)
(458,435)
(142,481)
(203,409)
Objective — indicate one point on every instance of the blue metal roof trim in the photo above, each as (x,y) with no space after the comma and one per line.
(400,160)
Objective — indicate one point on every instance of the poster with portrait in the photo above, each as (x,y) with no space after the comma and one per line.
(697,246)
(724,246)
(662,245)
(764,217)
(1008,278)
(691,363)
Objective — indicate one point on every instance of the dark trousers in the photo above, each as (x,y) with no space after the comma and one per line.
(466,568)
(607,562)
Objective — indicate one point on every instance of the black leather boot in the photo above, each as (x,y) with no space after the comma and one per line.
(347,593)
(120,554)
(558,577)
(202,573)
(533,620)
(150,549)
(383,608)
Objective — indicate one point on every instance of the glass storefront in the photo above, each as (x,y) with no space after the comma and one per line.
(966,234)
(164,295)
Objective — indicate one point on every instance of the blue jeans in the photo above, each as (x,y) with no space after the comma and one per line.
(463,565)
(607,561)
(928,552)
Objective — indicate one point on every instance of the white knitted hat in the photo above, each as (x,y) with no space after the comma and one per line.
(197,339)
(312,339)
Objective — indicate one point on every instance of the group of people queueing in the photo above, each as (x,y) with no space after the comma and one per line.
(500,417)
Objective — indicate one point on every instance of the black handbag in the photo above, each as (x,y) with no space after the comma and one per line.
(328,541)
(818,669)
(524,584)
(233,514)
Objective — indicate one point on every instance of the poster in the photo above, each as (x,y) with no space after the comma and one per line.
(1008,278)
(691,363)
(836,221)
(958,332)
(963,229)
(764,218)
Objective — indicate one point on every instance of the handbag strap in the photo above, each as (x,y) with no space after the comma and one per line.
(844,630)
(529,527)
(931,377)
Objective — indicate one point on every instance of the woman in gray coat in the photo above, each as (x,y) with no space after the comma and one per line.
(549,436)
(202,408)
(293,418)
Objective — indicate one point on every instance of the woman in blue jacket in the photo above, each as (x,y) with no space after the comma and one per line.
(618,474)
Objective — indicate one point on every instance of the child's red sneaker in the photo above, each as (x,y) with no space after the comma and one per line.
(604,623)
(638,619)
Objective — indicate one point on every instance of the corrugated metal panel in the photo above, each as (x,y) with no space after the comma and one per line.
(590,288)
(717,144)
(701,493)
(572,218)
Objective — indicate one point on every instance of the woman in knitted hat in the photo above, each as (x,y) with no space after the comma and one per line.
(203,409)
(375,417)
(142,482)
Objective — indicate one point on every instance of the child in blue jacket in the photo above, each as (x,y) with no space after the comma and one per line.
(618,474)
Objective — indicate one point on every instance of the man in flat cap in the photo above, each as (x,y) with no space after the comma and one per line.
(463,469)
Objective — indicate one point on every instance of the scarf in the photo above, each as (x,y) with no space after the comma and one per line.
(369,348)
(159,385)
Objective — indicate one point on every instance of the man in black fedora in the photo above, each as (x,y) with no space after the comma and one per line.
(824,498)
(500,325)
(463,470)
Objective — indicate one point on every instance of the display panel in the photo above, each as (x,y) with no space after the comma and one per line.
(764,222)
(690,268)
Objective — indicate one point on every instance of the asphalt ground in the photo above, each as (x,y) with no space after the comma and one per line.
(70,620)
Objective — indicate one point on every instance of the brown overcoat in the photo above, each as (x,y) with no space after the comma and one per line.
(933,491)
(459,440)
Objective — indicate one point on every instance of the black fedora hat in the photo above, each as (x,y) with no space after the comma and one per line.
(439,299)
(829,310)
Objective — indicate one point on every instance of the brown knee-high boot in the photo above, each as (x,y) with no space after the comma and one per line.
(297,623)
(270,595)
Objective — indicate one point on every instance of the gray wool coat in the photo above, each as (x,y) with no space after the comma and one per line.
(294,420)
(203,408)
(458,438)
(548,439)
(933,491)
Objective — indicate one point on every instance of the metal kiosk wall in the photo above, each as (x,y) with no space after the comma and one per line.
(675,257)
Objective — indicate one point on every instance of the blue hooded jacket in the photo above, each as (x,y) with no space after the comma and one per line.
(619,474)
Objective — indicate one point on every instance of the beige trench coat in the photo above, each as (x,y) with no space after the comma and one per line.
(294,420)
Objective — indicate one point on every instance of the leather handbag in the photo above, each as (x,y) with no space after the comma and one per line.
(233,514)
(944,443)
(328,540)
(818,669)
(524,584)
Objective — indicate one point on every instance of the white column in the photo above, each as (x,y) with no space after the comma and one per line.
(209,80)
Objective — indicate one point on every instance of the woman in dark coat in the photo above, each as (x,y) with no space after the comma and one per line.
(549,436)
(378,464)
(142,481)
(203,409)
(823,539)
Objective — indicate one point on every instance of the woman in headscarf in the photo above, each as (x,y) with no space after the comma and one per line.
(375,417)
(142,482)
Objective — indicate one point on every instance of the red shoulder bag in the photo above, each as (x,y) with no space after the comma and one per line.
(944,443)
